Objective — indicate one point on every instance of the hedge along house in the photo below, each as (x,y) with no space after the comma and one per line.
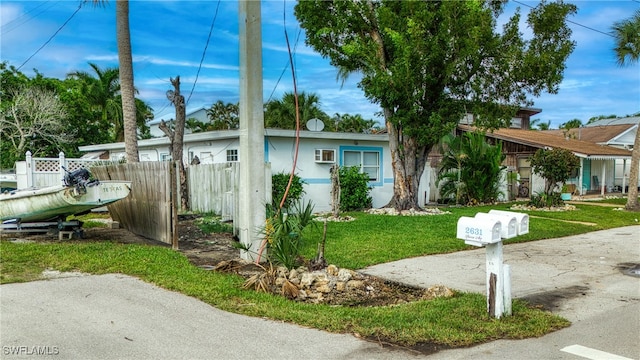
(318,151)
(597,173)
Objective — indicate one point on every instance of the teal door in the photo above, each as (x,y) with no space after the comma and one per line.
(586,173)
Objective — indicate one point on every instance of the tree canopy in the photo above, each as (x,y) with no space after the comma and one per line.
(428,63)
(91,104)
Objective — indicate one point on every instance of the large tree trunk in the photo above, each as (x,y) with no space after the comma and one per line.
(408,160)
(632,199)
(126,81)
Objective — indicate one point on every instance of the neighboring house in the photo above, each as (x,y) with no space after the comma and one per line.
(618,132)
(597,162)
(318,151)
(198,113)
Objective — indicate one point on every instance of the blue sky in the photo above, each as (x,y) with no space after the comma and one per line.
(169,38)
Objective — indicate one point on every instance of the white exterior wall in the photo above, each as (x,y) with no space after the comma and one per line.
(212,152)
(280,153)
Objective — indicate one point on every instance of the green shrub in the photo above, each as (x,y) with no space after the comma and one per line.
(354,189)
(543,199)
(279,185)
(555,166)
(470,169)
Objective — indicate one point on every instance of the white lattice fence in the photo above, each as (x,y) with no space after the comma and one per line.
(42,172)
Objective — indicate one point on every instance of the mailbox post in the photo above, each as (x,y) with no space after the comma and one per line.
(488,231)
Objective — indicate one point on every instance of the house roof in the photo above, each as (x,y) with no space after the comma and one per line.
(234,134)
(615,121)
(545,140)
(595,134)
(170,115)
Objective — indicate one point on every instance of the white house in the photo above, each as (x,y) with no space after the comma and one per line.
(618,133)
(199,113)
(318,151)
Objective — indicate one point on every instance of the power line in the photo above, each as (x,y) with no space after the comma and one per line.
(204,53)
(52,36)
(26,17)
(569,21)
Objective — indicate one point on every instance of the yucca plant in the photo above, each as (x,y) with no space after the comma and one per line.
(283,231)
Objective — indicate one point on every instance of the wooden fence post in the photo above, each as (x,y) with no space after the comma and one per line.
(173,198)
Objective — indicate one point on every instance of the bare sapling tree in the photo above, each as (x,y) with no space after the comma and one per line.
(176,137)
(36,117)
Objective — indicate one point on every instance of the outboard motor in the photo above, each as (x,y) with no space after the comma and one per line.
(78,177)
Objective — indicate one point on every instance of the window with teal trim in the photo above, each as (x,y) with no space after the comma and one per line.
(367,161)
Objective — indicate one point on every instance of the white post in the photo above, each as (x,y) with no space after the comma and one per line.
(495,280)
(252,212)
(580,177)
(602,182)
(29,161)
(61,163)
(507,290)
(624,172)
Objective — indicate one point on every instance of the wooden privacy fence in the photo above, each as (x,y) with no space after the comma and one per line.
(213,188)
(148,210)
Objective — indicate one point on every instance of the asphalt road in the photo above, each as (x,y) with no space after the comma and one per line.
(119,317)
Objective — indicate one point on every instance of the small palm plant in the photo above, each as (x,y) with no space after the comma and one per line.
(470,169)
(283,232)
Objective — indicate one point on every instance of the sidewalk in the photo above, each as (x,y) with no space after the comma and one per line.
(553,268)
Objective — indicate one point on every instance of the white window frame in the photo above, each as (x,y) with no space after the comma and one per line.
(362,151)
(327,156)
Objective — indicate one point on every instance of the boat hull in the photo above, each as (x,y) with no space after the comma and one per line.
(53,202)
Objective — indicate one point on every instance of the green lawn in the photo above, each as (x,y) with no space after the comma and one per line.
(370,239)
(375,239)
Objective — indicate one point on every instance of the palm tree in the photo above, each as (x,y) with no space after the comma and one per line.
(224,116)
(353,123)
(102,92)
(126,80)
(537,124)
(627,51)
(104,95)
(470,168)
(127,90)
(627,38)
(281,114)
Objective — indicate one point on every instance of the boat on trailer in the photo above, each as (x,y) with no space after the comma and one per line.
(39,210)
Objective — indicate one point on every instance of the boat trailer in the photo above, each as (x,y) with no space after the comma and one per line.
(70,229)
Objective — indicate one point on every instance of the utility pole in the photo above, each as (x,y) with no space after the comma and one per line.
(252,191)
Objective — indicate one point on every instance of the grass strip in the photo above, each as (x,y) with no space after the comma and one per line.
(457,321)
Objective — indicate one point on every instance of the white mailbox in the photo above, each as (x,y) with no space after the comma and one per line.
(478,232)
(522,219)
(509,224)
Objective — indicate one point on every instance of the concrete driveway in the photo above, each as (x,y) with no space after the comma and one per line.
(120,317)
